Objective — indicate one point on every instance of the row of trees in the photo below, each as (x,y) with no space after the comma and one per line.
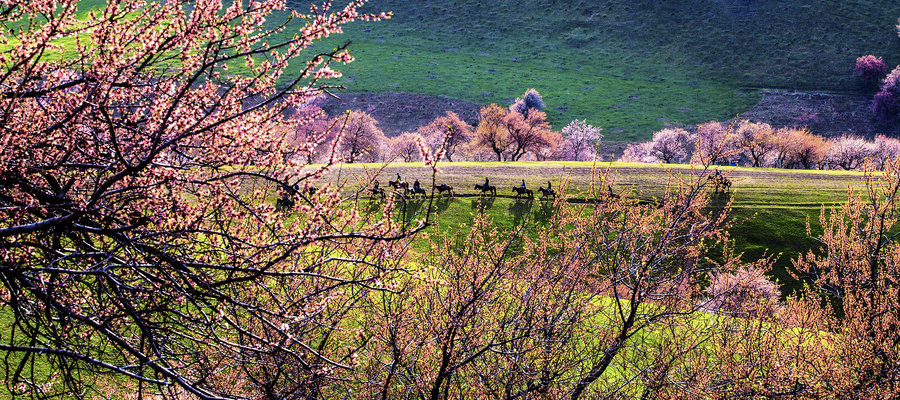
(759,144)
(506,134)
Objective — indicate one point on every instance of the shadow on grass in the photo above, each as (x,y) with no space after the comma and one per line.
(519,210)
(483,203)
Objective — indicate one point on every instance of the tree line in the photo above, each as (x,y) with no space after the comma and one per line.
(514,133)
(757,144)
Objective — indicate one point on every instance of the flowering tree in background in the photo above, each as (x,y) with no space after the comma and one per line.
(529,133)
(531,100)
(870,68)
(313,134)
(638,152)
(406,146)
(886,149)
(435,132)
(580,141)
(807,150)
(140,242)
(491,133)
(362,139)
(670,145)
(886,104)
(715,143)
(755,139)
(850,152)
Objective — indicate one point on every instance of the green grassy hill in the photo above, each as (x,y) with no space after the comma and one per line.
(628,66)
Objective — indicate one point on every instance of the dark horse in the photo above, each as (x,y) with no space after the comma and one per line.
(720,181)
(444,188)
(486,188)
(377,191)
(286,202)
(546,192)
(399,184)
(523,191)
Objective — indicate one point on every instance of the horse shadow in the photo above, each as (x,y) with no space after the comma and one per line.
(482,203)
(520,209)
(441,204)
(409,209)
(544,212)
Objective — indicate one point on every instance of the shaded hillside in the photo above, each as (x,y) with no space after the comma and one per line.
(401,112)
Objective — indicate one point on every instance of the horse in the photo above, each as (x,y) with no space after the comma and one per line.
(377,191)
(720,181)
(486,188)
(444,188)
(546,192)
(416,190)
(523,191)
(284,203)
(399,184)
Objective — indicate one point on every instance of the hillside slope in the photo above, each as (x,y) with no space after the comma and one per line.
(629,66)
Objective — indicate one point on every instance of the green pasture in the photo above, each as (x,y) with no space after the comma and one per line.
(769,212)
(628,66)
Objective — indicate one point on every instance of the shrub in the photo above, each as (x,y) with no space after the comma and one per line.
(886,104)
(746,291)
(870,67)
(532,100)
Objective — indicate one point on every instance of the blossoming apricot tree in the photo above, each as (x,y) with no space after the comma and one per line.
(138,235)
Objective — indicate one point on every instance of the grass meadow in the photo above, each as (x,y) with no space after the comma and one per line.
(628,66)
(769,212)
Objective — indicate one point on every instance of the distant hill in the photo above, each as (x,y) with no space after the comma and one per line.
(630,66)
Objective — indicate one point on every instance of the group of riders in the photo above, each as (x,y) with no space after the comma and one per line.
(417,187)
(287,201)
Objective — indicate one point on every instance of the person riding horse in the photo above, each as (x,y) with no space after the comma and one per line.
(486,182)
(523,185)
(416,189)
(376,190)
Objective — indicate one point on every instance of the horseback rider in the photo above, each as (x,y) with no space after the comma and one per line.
(486,182)
(549,186)
(375,186)
(399,179)
(416,187)
(523,185)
